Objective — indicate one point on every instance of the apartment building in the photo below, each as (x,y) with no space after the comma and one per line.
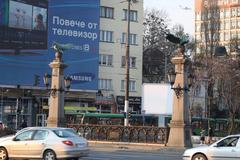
(217,24)
(113,28)
(220,16)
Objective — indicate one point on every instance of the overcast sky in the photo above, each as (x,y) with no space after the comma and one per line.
(179,11)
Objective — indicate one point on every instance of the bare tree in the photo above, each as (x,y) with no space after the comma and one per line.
(155,27)
(228,87)
(155,46)
(210,27)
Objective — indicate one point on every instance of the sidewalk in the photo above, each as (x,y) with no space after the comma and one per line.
(143,147)
(103,145)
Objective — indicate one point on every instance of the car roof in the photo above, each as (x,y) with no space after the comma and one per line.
(45,128)
(50,128)
(233,135)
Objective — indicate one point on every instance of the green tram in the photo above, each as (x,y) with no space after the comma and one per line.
(112,119)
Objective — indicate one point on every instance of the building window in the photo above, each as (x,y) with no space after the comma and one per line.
(227,13)
(238,35)
(133,15)
(233,24)
(105,60)
(221,26)
(222,14)
(227,26)
(238,11)
(132,38)
(226,36)
(238,24)
(198,37)
(132,85)
(221,36)
(233,12)
(132,62)
(233,35)
(198,16)
(106,12)
(198,27)
(106,36)
(225,2)
(105,84)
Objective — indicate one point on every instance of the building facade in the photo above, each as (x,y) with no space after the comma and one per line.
(217,22)
(113,28)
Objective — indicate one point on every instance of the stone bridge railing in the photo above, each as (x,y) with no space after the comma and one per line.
(118,133)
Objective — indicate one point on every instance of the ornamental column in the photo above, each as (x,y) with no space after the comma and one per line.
(180,128)
(56,116)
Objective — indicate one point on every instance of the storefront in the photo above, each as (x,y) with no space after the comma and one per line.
(134,104)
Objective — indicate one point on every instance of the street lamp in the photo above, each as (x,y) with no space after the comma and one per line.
(178,89)
(99,97)
(126,104)
(54,90)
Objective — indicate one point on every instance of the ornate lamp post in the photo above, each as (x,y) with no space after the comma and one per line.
(180,80)
(58,84)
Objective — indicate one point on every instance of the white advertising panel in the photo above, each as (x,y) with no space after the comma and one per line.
(157,98)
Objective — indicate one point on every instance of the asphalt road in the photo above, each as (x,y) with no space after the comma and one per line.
(127,152)
(133,154)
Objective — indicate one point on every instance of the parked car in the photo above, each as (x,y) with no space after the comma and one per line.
(227,148)
(45,143)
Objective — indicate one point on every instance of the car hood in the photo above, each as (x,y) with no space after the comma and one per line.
(191,151)
(5,138)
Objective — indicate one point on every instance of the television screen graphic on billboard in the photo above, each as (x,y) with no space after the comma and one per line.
(29,28)
(18,21)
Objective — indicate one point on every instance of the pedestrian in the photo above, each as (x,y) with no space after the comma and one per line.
(210,135)
(202,136)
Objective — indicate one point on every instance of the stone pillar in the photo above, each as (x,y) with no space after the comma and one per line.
(56,106)
(180,128)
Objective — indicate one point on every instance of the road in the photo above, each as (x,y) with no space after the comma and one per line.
(133,154)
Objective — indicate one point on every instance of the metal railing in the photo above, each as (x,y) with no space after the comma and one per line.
(118,133)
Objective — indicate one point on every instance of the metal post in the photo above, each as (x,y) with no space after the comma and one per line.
(126,105)
(165,67)
(143,117)
(2,106)
(17,108)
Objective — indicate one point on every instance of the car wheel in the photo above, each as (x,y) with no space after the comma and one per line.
(49,155)
(3,154)
(199,157)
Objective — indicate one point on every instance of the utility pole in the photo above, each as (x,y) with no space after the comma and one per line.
(126,104)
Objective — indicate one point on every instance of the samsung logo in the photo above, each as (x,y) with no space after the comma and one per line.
(82,77)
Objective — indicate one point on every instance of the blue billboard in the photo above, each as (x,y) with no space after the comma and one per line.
(29,28)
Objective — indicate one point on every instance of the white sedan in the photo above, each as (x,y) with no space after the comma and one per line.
(45,143)
(227,148)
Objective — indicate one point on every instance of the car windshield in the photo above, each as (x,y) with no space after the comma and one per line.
(65,133)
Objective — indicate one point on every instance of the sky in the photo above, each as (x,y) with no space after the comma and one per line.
(178,11)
